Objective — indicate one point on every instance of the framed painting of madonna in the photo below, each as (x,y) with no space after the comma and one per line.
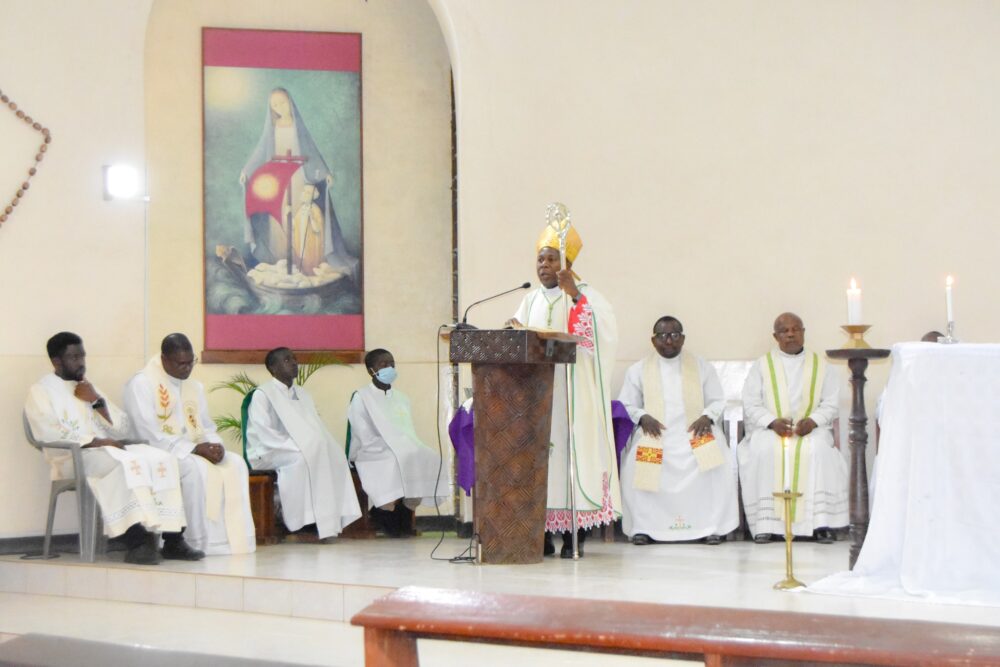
(283,193)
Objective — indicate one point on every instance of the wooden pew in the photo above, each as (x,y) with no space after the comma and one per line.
(719,636)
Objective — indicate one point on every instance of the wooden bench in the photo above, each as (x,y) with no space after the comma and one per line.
(263,486)
(719,636)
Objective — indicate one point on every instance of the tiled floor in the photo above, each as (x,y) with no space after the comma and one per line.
(301,594)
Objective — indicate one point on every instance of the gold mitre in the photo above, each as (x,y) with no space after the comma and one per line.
(550,239)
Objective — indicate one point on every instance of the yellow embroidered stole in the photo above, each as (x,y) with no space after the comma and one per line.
(779,403)
(178,413)
(649,451)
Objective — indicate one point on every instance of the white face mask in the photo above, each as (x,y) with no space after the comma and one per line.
(386,375)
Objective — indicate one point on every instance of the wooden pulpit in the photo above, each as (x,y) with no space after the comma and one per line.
(512,375)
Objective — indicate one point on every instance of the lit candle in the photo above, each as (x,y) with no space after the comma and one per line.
(854,303)
(786,466)
(947,297)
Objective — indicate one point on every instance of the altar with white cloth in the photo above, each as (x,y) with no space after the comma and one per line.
(935,525)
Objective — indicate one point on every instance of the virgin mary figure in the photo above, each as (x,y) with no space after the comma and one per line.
(284,140)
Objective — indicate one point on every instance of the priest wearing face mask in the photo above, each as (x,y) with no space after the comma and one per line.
(397,470)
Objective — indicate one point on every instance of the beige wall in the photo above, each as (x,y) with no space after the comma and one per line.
(724,161)
(120,80)
(728,160)
(407,177)
(68,259)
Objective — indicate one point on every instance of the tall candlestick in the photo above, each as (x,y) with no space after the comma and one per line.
(854,303)
(786,464)
(947,297)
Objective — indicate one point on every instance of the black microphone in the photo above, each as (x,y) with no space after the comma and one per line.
(465,317)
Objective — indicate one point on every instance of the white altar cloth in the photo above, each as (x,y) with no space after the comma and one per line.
(935,527)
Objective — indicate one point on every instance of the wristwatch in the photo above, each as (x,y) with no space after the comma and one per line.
(99,403)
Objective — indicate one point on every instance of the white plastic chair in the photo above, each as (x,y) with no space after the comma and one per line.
(88,511)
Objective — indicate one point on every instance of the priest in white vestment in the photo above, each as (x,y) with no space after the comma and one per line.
(136,486)
(678,473)
(561,303)
(397,470)
(284,432)
(169,410)
(791,396)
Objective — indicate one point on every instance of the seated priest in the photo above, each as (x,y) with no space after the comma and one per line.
(137,487)
(396,469)
(563,302)
(790,400)
(678,473)
(284,432)
(169,410)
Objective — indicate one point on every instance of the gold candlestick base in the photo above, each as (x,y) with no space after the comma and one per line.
(789,581)
(857,336)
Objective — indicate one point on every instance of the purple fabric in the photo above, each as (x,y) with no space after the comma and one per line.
(463,440)
(622,425)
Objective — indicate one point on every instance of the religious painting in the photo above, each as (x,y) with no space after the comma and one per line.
(283,191)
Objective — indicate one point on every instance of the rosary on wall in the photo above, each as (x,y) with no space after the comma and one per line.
(42,149)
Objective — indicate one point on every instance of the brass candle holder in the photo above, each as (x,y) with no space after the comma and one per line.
(789,581)
(857,336)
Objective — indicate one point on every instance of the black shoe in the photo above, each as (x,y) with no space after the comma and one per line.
(143,554)
(713,540)
(178,549)
(385,520)
(641,539)
(549,548)
(403,516)
(762,538)
(824,536)
(567,547)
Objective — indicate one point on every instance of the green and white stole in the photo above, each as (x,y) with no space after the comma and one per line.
(779,403)
(649,450)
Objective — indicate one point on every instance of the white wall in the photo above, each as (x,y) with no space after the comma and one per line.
(68,259)
(728,160)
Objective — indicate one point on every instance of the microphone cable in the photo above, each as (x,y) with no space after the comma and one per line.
(468,554)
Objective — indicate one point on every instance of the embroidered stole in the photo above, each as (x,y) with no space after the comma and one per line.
(649,451)
(178,413)
(779,403)
(79,422)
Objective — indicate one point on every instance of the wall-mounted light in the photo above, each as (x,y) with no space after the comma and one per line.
(121,181)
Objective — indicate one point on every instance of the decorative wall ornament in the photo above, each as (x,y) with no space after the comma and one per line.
(42,149)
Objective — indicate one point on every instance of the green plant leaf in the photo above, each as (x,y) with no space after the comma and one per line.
(319,360)
(241,383)
(230,424)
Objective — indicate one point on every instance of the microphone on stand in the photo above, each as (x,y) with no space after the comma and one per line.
(464,325)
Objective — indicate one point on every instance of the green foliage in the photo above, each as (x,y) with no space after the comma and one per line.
(319,360)
(241,383)
(231,425)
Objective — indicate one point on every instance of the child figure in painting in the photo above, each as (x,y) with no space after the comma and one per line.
(307,231)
